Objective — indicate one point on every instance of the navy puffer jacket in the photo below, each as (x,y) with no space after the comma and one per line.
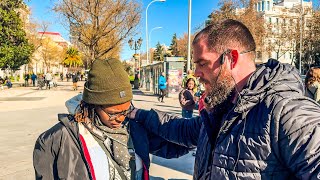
(273,131)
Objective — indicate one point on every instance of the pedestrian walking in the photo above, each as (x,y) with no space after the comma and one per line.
(1,83)
(187,98)
(26,79)
(41,82)
(257,124)
(61,76)
(68,76)
(96,141)
(8,82)
(81,76)
(48,79)
(33,78)
(312,84)
(75,80)
(162,86)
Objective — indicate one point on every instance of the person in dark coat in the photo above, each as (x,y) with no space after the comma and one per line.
(26,79)
(187,99)
(75,79)
(96,141)
(257,123)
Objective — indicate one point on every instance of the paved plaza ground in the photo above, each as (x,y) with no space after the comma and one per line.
(26,112)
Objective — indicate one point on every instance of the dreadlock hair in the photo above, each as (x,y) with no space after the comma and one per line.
(85,112)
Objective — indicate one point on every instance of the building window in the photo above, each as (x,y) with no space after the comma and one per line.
(277,20)
(290,55)
(262,8)
(270,20)
(259,6)
(268,5)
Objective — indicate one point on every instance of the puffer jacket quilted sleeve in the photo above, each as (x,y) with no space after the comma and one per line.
(184,132)
(299,137)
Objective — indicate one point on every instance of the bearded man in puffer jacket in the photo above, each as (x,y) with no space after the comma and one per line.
(257,125)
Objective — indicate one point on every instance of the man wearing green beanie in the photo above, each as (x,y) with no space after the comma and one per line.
(96,141)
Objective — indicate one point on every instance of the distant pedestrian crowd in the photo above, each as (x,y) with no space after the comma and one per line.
(43,80)
(5,82)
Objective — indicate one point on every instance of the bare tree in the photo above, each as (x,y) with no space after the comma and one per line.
(51,52)
(312,39)
(282,36)
(100,26)
(182,45)
(32,29)
(244,11)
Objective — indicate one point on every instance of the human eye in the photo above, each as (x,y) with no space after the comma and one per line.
(201,64)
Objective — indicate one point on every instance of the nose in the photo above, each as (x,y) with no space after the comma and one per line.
(198,73)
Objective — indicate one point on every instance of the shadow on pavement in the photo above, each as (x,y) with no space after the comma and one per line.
(156,178)
(142,93)
(184,164)
(143,100)
(165,105)
(22,98)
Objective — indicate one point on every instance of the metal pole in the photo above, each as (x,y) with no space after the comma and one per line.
(151,32)
(301,24)
(189,36)
(135,54)
(147,40)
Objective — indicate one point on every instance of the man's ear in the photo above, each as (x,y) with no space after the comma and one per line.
(234,58)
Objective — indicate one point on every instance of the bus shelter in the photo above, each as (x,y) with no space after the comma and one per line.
(173,67)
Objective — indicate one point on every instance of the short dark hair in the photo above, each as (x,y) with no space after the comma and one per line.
(225,35)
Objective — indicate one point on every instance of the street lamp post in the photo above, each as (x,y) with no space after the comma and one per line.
(151,32)
(135,45)
(300,10)
(301,23)
(189,36)
(147,40)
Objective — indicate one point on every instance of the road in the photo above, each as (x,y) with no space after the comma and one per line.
(26,112)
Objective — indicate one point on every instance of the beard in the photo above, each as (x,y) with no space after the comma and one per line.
(220,92)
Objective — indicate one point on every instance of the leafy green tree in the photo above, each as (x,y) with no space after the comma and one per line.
(73,58)
(15,50)
(158,53)
(174,46)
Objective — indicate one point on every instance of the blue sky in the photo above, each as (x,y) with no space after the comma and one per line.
(171,15)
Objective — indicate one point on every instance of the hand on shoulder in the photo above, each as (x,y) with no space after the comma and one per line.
(132,114)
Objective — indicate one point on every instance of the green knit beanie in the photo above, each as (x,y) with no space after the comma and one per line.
(108,83)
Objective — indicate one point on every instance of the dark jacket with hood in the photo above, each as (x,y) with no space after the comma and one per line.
(58,152)
(272,132)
